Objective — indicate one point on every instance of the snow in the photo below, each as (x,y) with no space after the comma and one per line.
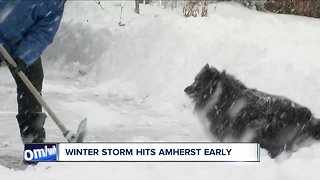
(129,81)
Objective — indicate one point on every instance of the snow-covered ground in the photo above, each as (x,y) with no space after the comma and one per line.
(128,81)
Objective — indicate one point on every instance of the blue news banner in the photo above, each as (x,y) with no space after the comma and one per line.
(143,152)
(40,152)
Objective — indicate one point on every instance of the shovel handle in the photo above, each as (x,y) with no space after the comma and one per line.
(33,90)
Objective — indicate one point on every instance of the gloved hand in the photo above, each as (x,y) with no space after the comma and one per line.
(21,66)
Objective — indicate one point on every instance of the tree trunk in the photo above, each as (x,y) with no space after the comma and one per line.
(137,9)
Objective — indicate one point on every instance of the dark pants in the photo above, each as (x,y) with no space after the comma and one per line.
(30,117)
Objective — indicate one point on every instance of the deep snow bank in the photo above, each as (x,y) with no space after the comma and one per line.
(159,52)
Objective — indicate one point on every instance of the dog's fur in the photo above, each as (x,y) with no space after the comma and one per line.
(232,111)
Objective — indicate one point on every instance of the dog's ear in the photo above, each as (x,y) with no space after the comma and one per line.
(223,74)
(213,70)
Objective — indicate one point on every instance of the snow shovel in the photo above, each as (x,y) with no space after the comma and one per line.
(71,137)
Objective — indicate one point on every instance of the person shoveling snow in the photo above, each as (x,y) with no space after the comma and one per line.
(27,28)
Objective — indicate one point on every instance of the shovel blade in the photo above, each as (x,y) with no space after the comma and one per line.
(82,130)
(81,133)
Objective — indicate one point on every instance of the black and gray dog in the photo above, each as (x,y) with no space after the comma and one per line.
(231,111)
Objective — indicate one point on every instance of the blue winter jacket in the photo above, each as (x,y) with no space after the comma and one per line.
(27,27)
